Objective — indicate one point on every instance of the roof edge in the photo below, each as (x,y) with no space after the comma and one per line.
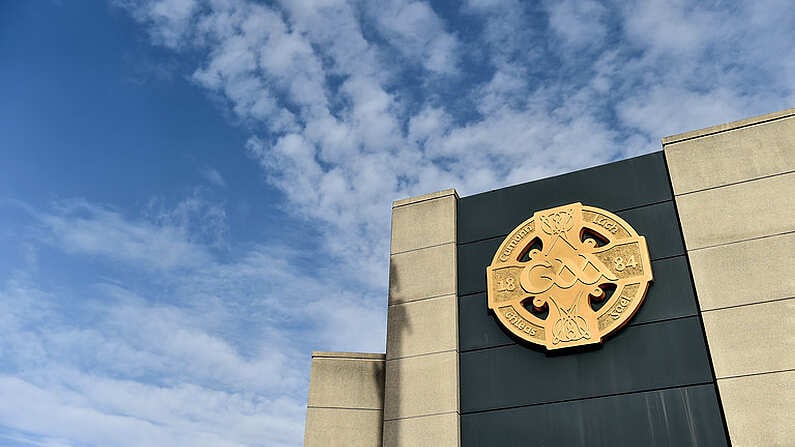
(720,128)
(424,197)
(348,355)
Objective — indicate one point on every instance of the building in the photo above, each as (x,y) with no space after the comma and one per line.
(708,359)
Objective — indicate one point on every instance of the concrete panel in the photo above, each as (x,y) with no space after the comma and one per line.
(424,224)
(745,272)
(732,153)
(738,212)
(441,430)
(419,386)
(751,339)
(347,380)
(335,427)
(422,273)
(758,409)
(422,327)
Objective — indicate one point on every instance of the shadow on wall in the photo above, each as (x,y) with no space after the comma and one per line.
(398,327)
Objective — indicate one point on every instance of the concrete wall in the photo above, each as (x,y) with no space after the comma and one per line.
(734,186)
(421,395)
(346,400)
(408,396)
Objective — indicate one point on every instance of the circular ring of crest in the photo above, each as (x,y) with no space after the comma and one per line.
(568,276)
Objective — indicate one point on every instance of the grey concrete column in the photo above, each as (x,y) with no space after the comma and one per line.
(734,186)
(421,393)
(346,400)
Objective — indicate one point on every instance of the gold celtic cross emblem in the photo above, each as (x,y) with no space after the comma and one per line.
(568,276)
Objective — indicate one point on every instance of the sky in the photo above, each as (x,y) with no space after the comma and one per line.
(195,194)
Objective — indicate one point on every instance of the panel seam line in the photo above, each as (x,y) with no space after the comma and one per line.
(422,415)
(631,208)
(762,373)
(739,241)
(644,323)
(424,354)
(719,131)
(738,182)
(423,248)
(425,298)
(772,300)
(601,396)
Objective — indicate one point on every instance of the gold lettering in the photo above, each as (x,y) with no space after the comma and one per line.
(606,224)
(506,285)
(623,303)
(515,241)
(519,322)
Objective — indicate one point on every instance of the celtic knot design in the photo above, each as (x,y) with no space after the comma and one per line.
(549,286)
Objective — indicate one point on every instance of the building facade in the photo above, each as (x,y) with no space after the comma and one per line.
(707,359)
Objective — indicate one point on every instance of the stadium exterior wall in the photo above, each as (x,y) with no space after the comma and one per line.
(709,359)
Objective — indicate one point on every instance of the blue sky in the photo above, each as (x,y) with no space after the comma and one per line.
(196,194)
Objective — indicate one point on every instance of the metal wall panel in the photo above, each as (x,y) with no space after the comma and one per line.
(639,358)
(687,416)
(616,187)
(651,383)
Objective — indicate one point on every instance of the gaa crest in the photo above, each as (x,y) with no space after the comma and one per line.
(568,276)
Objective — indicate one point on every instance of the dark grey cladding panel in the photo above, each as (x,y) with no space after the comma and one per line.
(658,223)
(687,416)
(648,384)
(670,296)
(614,187)
(473,259)
(638,358)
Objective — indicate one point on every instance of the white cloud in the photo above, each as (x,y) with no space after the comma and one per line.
(212,353)
(79,227)
(214,177)
(653,112)
(82,228)
(579,23)
(258,278)
(342,133)
(350,149)
(415,30)
(197,219)
(172,18)
(699,64)
(185,415)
